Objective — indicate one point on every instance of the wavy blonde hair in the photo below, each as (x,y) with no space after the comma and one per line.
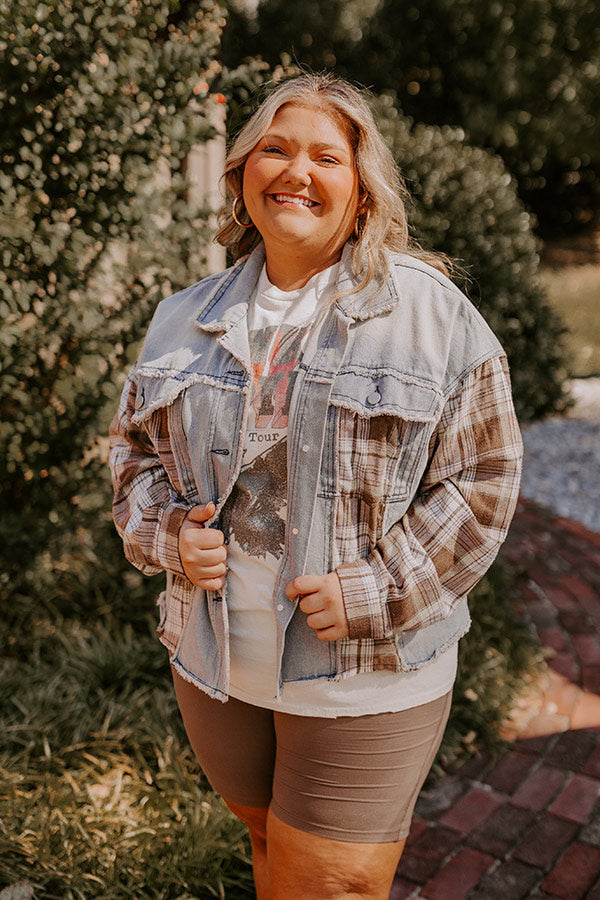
(382,222)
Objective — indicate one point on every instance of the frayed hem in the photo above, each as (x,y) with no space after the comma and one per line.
(188,676)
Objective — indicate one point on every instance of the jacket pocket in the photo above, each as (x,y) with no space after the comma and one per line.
(157,392)
(373,392)
(159,411)
(193,421)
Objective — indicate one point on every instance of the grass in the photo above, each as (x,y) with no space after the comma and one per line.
(100,797)
(99,794)
(574,291)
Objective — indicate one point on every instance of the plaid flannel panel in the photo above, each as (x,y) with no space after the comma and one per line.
(174,611)
(415,574)
(148,506)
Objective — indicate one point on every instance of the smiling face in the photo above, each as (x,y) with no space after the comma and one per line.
(301,191)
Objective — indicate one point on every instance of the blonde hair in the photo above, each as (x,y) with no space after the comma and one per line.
(382,221)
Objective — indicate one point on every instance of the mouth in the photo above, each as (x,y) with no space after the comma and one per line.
(295,199)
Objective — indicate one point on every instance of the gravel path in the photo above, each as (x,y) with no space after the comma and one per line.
(562,459)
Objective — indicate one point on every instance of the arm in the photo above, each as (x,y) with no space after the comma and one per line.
(456,523)
(147,510)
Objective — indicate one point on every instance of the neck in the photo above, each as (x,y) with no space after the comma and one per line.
(292,273)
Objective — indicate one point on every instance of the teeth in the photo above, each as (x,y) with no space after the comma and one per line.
(301,201)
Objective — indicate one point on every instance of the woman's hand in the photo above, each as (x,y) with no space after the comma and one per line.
(321,600)
(202,550)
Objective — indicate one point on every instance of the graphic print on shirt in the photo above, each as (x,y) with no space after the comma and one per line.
(254,514)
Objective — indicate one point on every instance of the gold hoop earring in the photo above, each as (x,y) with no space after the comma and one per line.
(234,214)
(358,228)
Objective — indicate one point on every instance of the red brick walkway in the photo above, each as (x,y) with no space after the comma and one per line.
(526,822)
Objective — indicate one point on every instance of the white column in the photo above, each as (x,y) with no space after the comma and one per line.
(205,165)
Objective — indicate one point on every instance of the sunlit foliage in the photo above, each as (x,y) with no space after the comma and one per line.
(466,204)
(100,104)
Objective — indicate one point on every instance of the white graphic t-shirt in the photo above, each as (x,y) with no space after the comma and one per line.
(253,517)
(253,520)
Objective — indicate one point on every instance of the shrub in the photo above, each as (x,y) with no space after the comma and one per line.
(101,103)
(314,34)
(466,204)
(521,79)
(496,658)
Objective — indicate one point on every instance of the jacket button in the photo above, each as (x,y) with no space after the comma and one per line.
(305,448)
(374,398)
(294,531)
(139,400)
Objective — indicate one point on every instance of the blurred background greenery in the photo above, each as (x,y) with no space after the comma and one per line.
(521,79)
(491,112)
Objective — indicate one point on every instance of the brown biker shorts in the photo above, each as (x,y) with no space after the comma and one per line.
(354,778)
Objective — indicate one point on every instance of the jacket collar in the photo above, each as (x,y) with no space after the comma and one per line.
(227,302)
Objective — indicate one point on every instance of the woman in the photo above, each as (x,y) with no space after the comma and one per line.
(319,448)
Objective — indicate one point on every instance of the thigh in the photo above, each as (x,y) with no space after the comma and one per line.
(355,778)
(305,866)
(233,742)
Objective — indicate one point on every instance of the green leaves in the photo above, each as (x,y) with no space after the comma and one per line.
(89,240)
(466,205)
(99,113)
(522,79)
(100,794)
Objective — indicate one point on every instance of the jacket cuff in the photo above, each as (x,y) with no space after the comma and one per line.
(365,610)
(167,539)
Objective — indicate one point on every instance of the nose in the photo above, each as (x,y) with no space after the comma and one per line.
(297,170)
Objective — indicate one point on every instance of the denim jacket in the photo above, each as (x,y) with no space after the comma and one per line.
(404,459)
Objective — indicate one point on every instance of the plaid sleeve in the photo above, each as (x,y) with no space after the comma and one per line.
(457,521)
(147,511)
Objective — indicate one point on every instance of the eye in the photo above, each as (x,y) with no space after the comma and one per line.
(276,150)
(328,160)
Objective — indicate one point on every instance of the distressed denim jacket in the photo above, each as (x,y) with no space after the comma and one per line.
(404,459)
